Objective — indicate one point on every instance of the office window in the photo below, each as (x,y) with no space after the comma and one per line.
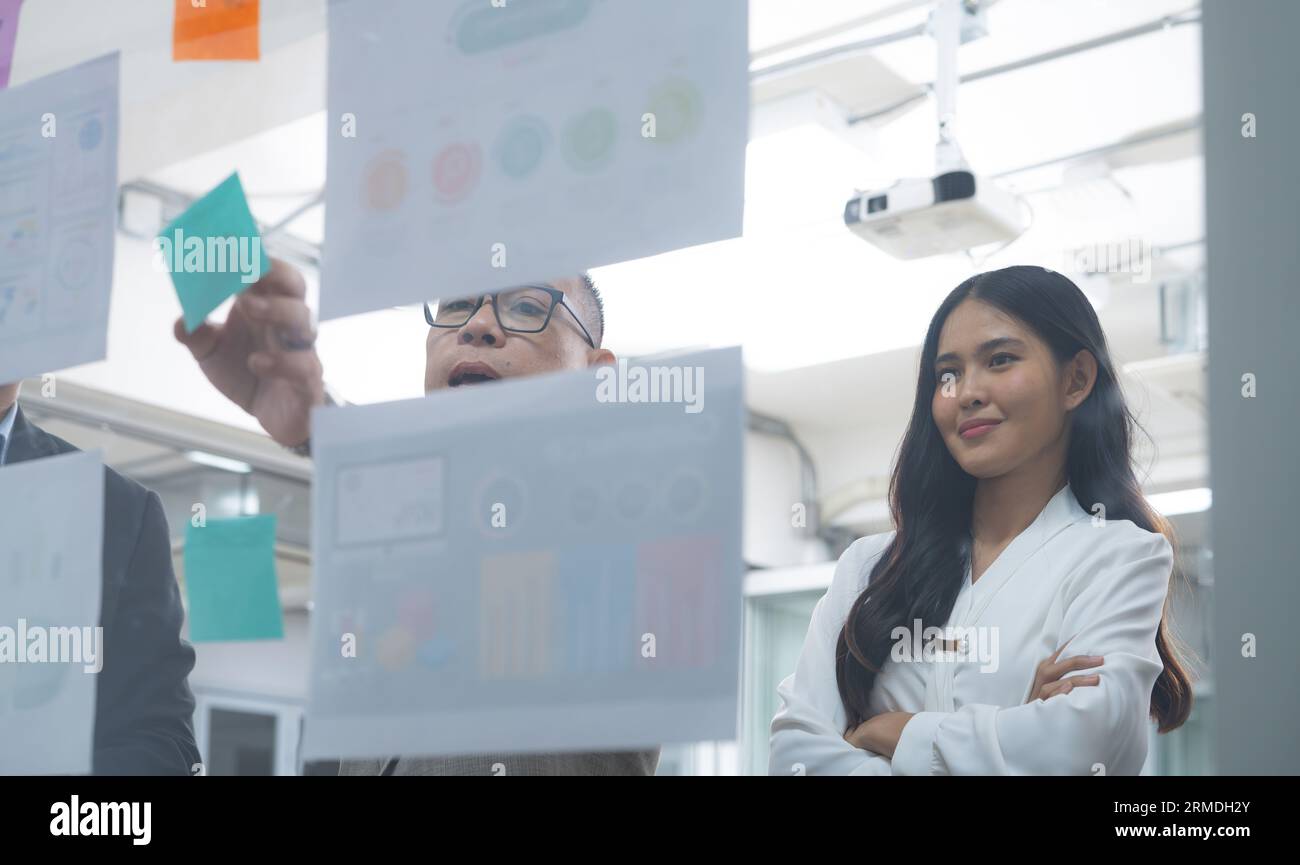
(775,626)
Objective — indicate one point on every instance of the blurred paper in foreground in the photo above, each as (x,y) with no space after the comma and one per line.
(547,563)
(51,547)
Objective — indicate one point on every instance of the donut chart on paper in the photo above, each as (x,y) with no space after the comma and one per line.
(522,146)
(386,181)
(456,171)
(589,140)
(677,106)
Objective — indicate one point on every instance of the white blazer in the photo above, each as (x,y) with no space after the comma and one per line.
(1103,584)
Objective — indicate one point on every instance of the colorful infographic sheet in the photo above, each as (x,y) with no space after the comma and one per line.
(58,206)
(475,145)
(549,563)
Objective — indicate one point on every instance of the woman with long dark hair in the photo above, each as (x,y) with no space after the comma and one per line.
(1014,622)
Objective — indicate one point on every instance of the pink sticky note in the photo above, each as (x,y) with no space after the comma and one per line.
(8,36)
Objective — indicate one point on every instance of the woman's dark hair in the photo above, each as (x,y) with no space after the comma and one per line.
(930,496)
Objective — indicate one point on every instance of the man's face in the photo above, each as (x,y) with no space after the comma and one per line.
(480,350)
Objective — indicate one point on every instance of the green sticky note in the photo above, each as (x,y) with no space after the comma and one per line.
(230,580)
(213,251)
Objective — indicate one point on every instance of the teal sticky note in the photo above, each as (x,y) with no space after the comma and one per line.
(230,580)
(213,251)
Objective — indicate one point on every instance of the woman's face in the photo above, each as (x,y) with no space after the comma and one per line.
(1001,400)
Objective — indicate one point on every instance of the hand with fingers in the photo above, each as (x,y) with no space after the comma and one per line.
(263,357)
(1048,681)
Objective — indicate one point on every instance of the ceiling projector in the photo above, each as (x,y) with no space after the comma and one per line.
(949,213)
(954,211)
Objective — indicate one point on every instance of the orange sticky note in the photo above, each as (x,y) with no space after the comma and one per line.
(216,30)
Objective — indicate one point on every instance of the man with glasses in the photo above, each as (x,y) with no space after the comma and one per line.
(263,359)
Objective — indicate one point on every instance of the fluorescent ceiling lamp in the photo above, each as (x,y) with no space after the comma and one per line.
(237,504)
(1189,501)
(213,461)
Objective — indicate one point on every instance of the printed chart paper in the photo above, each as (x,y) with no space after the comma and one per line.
(528,565)
(51,549)
(58,209)
(473,146)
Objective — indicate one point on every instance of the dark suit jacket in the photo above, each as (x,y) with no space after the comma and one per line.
(143,704)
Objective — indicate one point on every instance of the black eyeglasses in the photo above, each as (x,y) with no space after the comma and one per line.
(524,309)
